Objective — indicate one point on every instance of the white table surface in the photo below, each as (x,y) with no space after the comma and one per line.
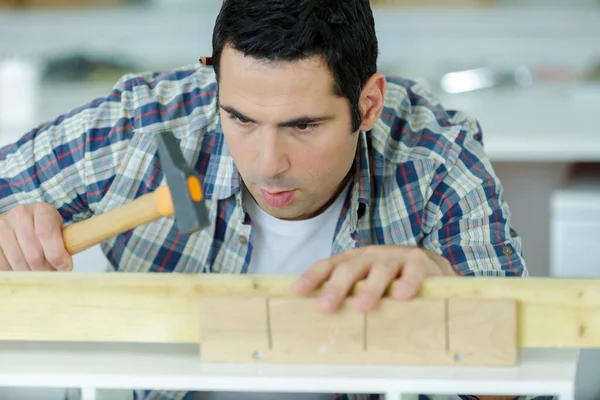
(179,367)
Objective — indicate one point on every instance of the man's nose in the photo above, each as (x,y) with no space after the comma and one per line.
(272,159)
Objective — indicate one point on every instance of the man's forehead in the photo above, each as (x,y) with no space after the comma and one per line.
(276,91)
(310,73)
(238,58)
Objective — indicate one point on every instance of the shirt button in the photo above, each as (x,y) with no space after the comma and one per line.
(243,239)
(507,251)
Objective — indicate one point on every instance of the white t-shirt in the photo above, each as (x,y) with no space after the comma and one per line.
(283,247)
(286,248)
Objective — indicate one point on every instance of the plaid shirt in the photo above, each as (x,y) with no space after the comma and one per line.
(421,179)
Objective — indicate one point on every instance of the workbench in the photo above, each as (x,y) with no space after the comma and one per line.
(111,372)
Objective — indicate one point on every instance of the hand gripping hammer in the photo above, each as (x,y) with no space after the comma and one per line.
(182,197)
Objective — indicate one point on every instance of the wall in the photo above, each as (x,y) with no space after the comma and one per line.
(411,40)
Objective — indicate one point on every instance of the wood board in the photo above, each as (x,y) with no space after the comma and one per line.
(160,308)
(242,329)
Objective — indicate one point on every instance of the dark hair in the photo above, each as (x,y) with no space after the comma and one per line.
(343,31)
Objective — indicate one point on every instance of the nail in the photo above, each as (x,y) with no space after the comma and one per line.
(64,267)
(364,300)
(301,285)
(326,300)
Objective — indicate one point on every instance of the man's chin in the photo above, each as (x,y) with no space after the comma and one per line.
(287,213)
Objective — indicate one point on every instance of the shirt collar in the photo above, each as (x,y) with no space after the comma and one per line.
(361,187)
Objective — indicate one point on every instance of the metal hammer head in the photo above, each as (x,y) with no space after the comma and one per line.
(191,213)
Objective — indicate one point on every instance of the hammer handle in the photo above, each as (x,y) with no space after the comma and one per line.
(82,235)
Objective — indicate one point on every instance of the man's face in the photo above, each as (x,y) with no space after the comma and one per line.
(289,135)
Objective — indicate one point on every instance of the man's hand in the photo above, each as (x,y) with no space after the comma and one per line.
(379,267)
(31,240)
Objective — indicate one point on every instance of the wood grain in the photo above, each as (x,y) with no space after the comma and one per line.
(300,333)
(414,333)
(233,328)
(482,332)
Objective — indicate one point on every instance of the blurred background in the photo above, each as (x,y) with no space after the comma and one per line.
(529,70)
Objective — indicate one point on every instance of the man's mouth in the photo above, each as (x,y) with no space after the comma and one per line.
(278,199)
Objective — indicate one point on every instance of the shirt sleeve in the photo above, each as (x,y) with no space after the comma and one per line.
(471,224)
(68,162)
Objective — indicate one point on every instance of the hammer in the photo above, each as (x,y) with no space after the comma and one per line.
(182,197)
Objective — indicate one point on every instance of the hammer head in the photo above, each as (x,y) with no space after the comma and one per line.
(191,213)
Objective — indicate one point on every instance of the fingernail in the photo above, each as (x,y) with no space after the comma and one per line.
(326,300)
(301,284)
(404,290)
(364,299)
(64,267)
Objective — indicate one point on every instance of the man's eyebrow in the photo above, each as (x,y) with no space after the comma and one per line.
(304,120)
(236,113)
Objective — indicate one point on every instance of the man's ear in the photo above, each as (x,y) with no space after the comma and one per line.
(371,101)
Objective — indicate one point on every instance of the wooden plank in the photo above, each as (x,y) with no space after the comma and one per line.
(421,332)
(300,333)
(152,307)
(411,333)
(542,326)
(482,332)
(284,330)
(568,292)
(112,307)
(551,312)
(233,328)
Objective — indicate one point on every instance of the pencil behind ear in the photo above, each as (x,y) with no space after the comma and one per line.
(206,61)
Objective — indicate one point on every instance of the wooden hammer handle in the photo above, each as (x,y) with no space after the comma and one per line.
(82,235)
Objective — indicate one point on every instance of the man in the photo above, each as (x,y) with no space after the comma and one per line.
(313,164)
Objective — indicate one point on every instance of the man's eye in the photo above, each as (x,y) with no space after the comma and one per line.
(305,128)
(239,120)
